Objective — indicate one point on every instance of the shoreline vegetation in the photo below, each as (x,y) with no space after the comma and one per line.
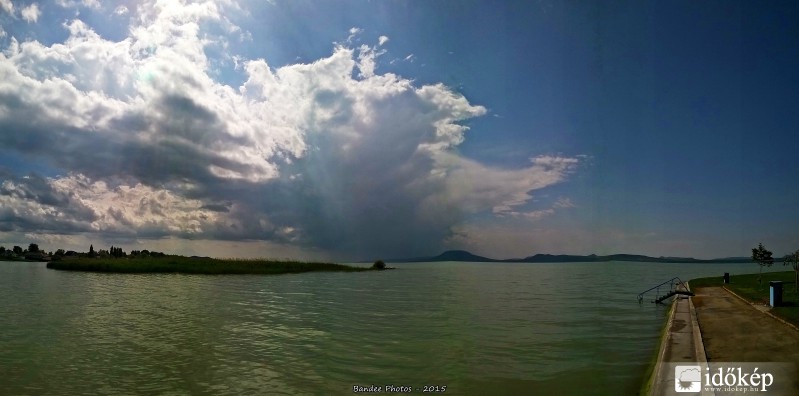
(198,265)
(116,260)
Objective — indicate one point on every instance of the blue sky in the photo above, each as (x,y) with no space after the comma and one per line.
(357,130)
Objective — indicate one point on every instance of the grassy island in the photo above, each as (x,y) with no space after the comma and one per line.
(196,265)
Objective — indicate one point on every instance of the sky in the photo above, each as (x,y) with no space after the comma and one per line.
(358,130)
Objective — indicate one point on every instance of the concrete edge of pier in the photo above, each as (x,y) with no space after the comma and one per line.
(682,342)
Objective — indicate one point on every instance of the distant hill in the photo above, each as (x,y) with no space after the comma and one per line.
(548,258)
(449,255)
(462,255)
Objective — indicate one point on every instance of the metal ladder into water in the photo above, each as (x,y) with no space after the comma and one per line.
(675,287)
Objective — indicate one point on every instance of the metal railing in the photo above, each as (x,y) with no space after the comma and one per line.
(669,287)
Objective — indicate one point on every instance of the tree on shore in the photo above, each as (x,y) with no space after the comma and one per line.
(379,264)
(793,259)
(17,249)
(91,251)
(763,258)
(117,252)
(33,248)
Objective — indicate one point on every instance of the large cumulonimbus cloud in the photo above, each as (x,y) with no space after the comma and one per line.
(329,155)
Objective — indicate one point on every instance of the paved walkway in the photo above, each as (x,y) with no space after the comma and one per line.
(717,326)
(735,331)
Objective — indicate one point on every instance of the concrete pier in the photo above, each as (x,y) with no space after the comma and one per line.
(681,343)
(732,330)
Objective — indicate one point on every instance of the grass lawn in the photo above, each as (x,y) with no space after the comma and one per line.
(749,288)
(190,265)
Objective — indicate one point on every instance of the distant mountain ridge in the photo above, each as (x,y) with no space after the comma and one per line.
(462,255)
(459,255)
(449,255)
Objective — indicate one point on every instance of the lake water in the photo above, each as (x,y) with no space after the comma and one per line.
(476,328)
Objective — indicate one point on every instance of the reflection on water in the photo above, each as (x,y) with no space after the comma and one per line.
(477,328)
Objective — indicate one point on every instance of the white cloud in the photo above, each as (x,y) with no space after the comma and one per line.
(564,203)
(31,13)
(137,209)
(7,6)
(475,187)
(245,36)
(93,84)
(382,40)
(121,10)
(304,147)
(354,32)
(367,60)
(120,209)
(2,32)
(95,4)
(537,214)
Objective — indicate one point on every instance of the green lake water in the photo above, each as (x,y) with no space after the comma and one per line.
(476,328)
